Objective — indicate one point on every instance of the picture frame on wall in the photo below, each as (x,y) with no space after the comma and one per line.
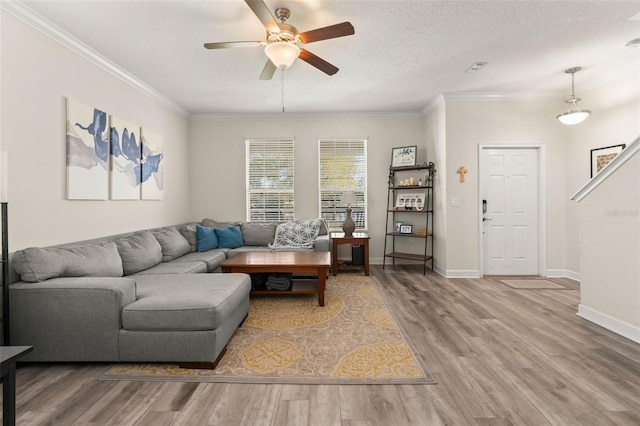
(404,156)
(600,157)
(406,229)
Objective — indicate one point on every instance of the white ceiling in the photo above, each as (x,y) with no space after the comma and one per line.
(403,53)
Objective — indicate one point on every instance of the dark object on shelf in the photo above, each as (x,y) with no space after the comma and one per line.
(259,281)
(279,281)
(357,254)
(4,331)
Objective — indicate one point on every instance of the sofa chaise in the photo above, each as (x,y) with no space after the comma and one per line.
(146,296)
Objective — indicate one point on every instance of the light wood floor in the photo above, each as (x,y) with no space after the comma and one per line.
(501,356)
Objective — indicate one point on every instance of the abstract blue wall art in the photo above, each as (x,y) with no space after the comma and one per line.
(87,152)
(152,165)
(125,160)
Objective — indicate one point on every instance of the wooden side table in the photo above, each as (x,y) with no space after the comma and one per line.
(361,238)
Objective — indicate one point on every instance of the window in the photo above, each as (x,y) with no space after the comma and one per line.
(343,167)
(269,174)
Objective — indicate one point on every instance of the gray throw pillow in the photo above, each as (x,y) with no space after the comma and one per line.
(139,251)
(172,242)
(258,234)
(90,260)
(188,231)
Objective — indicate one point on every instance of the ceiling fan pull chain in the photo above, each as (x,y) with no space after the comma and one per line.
(282,89)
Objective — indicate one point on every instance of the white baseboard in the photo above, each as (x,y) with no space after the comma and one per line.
(563,273)
(624,329)
(461,273)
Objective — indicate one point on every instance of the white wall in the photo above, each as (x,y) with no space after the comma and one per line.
(475,122)
(436,144)
(37,73)
(604,228)
(218,168)
(615,120)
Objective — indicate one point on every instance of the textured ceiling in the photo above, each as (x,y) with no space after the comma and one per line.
(403,53)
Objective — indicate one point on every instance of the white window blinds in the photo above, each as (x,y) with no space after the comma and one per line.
(343,167)
(269,174)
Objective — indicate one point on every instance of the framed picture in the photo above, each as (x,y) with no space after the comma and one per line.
(405,229)
(600,157)
(401,200)
(397,225)
(404,156)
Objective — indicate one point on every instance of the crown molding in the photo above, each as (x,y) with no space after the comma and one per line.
(29,16)
(503,96)
(306,115)
(435,103)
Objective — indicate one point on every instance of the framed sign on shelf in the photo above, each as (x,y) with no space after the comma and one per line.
(406,229)
(600,157)
(404,156)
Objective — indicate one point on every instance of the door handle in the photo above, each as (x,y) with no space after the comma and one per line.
(484,219)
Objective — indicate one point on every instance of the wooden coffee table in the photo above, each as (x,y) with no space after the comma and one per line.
(294,262)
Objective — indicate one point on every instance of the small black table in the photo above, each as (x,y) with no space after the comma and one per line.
(9,356)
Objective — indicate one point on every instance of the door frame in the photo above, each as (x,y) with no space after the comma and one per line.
(542,201)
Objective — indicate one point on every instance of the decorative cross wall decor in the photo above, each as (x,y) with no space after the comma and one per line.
(462,170)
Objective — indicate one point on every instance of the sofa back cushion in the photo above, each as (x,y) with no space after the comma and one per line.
(89,260)
(257,233)
(172,242)
(188,231)
(212,223)
(139,251)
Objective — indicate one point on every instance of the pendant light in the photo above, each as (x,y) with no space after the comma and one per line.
(574,115)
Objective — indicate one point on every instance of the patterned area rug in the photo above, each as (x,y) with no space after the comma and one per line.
(354,339)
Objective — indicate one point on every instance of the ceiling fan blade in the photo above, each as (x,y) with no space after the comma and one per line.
(263,13)
(324,33)
(317,62)
(225,44)
(268,71)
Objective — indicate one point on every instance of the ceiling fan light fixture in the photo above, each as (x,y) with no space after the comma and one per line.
(282,53)
(573,116)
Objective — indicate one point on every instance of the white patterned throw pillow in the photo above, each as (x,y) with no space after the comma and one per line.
(297,234)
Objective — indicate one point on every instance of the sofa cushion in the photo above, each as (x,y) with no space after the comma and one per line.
(188,231)
(172,242)
(194,267)
(88,260)
(230,237)
(257,233)
(206,237)
(211,223)
(212,258)
(139,251)
(185,302)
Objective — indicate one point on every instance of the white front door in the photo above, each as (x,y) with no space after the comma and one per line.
(510,222)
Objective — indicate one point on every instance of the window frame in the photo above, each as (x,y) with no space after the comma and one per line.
(282,150)
(329,195)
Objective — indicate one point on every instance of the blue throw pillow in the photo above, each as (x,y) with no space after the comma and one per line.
(207,238)
(229,237)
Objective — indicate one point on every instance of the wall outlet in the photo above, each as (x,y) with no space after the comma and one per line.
(455,202)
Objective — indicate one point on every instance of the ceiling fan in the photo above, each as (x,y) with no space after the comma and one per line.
(281,46)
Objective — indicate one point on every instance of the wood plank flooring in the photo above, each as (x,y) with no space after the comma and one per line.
(501,356)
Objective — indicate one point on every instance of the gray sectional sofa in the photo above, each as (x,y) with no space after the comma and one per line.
(146,296)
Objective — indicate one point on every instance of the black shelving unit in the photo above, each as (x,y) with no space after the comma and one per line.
(396,213)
